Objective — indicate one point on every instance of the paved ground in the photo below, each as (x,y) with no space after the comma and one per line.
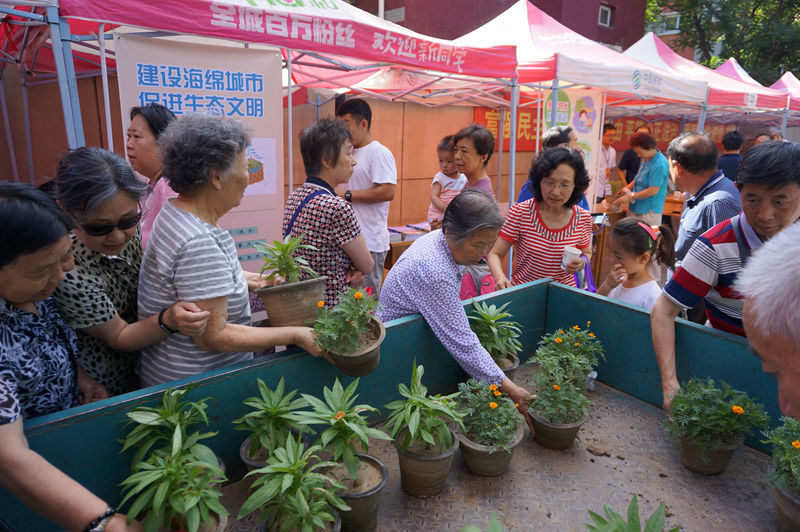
(621,450)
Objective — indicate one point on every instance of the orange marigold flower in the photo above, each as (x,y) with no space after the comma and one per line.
(320,304)
(492,405)
(556,387)
(516,405)
(796,444)
(738,410)
(588,323)
(497,393)
(576,327)
(339,415)
(358,295)
(558,340)
(592,335)
(493,387)
(577,344)
(561,331)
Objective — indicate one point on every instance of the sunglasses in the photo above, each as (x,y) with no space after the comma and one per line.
(103,229)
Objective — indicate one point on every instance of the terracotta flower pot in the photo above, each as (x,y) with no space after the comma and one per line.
(293,303)
(787,507)
(692,457)
(509,365)
(363,513)
(362,361)
(555,436)
(218,524)
(481,460)
(252,462)
(336,526)
(423,473)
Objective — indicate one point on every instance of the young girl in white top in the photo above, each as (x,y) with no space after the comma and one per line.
(447,183)
(633,244)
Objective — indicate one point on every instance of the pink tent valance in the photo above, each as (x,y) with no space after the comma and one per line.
(320,26)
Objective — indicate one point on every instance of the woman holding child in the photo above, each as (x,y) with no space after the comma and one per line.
(540,228)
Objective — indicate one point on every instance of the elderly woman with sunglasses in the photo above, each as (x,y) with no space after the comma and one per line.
(100,192)
(190,257)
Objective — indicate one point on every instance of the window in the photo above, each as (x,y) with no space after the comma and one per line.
(606,16)
(672,22)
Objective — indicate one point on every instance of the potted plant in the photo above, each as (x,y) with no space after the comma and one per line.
(493,428)
(293,302)
(363,476)
(425,443)
(291,494)
(497,333)
(268,423)
(175,482)
(613,522)
(710,423)
(350,332)
(785,472)
(557,413)
(568,355)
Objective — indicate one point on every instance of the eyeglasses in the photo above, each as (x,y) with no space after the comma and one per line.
(103,229)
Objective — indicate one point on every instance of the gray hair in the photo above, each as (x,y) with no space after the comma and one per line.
(195,147)
(88,177)
(470,211)
(771,283)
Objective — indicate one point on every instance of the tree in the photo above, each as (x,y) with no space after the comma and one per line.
(763,35)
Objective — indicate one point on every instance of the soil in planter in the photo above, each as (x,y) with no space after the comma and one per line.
(368,477)
(366,338)
(505,362)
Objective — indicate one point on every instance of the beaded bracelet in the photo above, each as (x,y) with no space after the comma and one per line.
(99,524)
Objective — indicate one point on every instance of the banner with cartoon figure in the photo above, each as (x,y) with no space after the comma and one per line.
(582,111)
(242,83)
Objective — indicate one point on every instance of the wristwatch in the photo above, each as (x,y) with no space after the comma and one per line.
(163,325)
(348,196)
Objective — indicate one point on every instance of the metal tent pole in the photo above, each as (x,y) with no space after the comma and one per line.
(502,136)
(66,82)
(12,156)
(554,111)
(512,154)
(593,199)
(785,117)
(702,121)
(289,114)
(28,141)
(101,40)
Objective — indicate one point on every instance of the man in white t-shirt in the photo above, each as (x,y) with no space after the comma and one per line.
(371,186)
(608,162)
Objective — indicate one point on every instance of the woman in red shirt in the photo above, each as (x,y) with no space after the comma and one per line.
(540,228)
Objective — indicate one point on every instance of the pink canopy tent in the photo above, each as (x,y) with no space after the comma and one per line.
(723,90)
(548,51)
(733,69)
(790,84)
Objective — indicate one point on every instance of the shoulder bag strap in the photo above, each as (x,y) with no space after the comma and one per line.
(300,208)
(744,251)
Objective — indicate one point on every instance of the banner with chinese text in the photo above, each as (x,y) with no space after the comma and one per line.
(240,83)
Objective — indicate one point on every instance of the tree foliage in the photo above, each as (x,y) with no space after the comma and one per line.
(763,35)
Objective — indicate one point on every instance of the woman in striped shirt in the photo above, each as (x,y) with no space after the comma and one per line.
(543,226)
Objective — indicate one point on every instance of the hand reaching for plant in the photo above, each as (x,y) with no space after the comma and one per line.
(187,318)
(521,398)
(669,389)
(118,524)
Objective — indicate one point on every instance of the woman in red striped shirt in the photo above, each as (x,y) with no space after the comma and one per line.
(543,226)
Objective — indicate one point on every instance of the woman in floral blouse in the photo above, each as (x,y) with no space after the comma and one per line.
(38,369)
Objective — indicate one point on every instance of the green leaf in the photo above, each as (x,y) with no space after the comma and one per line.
(656,521)
(633,515)
(413,423)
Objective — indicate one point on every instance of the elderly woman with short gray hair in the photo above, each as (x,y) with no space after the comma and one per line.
(426,279)
(190,257)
